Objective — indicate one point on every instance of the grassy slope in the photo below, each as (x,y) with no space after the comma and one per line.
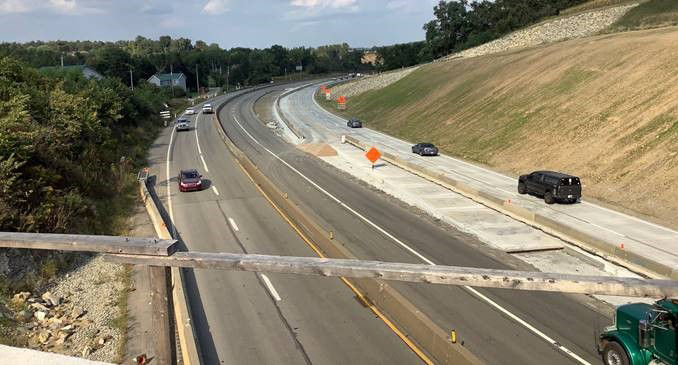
(651,14)
(604,108)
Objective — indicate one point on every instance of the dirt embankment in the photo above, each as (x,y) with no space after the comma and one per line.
(604,108)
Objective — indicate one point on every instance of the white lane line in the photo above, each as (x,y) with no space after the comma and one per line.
(528,326)
(197,142)
(196,138)
(631,217)
(214,188)
(204,164)
(232,223)
(270,288)
(169,192)
(472,166)
(422,257)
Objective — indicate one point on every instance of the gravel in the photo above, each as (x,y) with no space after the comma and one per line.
(94,288)
(74,314)
(576,26)
(370,83)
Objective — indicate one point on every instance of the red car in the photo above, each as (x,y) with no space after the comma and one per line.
(190,180)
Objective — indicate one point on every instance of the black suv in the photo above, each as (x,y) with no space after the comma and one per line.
(354,123)
(425,149)
(551,185)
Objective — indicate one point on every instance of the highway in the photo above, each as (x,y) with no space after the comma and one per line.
(248,318)
(499,326)
(656,244)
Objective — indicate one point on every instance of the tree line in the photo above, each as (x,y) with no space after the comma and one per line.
(208,64)
(462,24)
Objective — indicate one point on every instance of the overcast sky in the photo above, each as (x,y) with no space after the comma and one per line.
(230,23)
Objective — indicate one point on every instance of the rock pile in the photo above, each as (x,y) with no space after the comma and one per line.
(48,322)
(76,317)
(576,26)
(370,83)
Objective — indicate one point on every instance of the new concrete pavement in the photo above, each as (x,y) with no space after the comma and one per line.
(247,318)
(655,247)
(499,326)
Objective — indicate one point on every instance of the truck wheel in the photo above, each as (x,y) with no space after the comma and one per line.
(548,198)
(522,189)
(614,354)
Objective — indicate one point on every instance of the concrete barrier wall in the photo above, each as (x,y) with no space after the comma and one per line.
(398,308)
(589,243)
(190,349)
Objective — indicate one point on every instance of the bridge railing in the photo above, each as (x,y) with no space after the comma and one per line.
(160,254)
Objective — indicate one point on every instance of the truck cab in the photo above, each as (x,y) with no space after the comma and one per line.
(642,334)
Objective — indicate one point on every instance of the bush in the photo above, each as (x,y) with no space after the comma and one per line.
(59,138)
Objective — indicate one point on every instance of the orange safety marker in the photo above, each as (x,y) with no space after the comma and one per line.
(373,155)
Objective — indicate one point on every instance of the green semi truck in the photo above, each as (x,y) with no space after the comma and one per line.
(642,334)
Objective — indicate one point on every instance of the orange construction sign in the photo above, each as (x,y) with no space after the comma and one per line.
(373,155)
(341,102)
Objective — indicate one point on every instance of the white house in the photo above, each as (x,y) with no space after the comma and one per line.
(174,79)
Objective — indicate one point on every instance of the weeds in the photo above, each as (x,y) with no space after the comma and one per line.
(121,322)
(651,14)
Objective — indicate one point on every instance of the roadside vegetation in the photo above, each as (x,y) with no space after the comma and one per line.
(69,152)
(650,14)
(602,108)
(596,4)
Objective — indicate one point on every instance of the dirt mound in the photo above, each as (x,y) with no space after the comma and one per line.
(604,108)
(318,149)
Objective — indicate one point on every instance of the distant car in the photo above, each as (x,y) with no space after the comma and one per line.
(190,180)
(207,109)
(183,125)
(553,186)
(189,111)
(425,149)
(354,123)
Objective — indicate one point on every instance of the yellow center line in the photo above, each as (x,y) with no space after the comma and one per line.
(360,296)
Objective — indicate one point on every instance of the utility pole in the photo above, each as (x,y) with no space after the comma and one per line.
(172,79)
(197,79)
(228,73)
(131,80)
(62,60)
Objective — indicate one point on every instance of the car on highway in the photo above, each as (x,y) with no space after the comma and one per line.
(207,108)
(189,111)
(553,186)
(190,180)
(183,125)
(425,149)
(354,123)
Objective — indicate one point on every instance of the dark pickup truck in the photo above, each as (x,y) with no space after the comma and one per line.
(553,186)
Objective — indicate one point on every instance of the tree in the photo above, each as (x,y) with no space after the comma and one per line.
(111,61)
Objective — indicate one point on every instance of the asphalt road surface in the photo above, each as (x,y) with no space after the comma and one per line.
(249,318)
(499,326)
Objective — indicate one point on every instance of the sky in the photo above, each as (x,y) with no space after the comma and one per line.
(229,23)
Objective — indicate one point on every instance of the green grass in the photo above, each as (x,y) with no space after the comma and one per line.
(651,14)
(594,5)
(121,322)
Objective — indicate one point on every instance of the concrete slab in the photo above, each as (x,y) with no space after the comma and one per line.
(19,356)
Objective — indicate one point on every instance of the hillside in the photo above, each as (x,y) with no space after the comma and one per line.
(604,108)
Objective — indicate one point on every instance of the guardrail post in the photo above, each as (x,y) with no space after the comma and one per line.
(160,305)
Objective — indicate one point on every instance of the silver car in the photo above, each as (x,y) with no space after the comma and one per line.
(183,125)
